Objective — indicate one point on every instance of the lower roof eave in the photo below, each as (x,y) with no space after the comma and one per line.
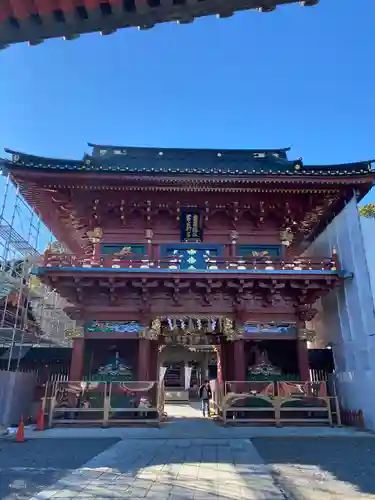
(89,273)
(115,180)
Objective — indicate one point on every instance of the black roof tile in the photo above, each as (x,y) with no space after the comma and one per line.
(192,162)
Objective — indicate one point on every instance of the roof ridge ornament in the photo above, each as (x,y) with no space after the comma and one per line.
(309,3)
(298,164)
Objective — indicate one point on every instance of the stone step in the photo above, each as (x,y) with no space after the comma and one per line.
(176,396)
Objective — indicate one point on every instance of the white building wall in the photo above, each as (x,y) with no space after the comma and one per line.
(347,317)
(368,233)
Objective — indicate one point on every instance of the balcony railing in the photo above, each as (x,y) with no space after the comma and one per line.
(238,264)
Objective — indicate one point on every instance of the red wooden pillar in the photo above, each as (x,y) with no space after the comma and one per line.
(219,352)
(239,361)
(233,243)
(77,361)
(153,361)
(144,350)
(96,252)
(228,361)
(303,360)
(149,236)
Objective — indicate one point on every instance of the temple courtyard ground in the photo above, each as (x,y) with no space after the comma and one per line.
(189,458)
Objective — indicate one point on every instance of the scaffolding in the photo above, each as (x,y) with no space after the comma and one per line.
(31,314)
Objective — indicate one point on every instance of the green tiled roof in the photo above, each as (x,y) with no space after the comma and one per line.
(174,162)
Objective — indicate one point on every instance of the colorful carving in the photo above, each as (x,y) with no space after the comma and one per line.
(114,327)
(114,369)
(95,235)
(270,328)
(259,255)
(262,367)
(184,257)
(306,334)
(55,247)
(156,325)
(124,251)
(259,252)
(286,237)
(74,333)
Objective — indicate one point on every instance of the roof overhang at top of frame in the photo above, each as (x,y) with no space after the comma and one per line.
(34,21)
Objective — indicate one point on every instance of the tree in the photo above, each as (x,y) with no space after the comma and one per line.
(367,210)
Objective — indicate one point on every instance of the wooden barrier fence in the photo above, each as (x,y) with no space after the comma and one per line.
(353,418)
(253,402)
(104,404)
(278,403)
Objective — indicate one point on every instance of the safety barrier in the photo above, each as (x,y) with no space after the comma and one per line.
(353,418)
(217,389)
(102,403)
(279,403)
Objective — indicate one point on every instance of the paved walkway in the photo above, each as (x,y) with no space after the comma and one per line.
(189,458)
(173,469)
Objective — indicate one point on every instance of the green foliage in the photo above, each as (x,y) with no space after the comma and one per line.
(367,210)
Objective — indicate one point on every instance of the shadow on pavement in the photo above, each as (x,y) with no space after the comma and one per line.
(319,468)
(26,468)
(176,469)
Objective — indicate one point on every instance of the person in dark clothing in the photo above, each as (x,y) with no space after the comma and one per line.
(205,394)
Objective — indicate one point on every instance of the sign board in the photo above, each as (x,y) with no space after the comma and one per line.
(191,226)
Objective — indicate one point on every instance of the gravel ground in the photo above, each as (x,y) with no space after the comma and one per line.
(30,467)
(321,468)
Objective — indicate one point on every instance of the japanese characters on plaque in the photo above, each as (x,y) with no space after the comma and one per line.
(191,225)
(192,340)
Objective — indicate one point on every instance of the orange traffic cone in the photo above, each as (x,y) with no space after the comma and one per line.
(20,436)
(40,421)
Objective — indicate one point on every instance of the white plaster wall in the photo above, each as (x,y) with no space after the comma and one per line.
(368,233)
(347,317)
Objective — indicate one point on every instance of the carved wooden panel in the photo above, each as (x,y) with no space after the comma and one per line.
(124,250)
(259,251)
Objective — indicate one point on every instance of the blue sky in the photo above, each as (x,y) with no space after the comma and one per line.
(300,77)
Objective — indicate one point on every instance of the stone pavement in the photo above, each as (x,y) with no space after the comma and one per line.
(189,458)
(26,469)
(171,468)
(326,468)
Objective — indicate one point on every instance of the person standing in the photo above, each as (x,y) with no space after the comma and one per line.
(205,394)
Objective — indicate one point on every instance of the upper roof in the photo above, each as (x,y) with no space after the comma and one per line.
(35,21)
(177,161)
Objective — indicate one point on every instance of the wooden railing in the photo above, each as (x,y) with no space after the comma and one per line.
(103,403)
(279,403)
(177,264)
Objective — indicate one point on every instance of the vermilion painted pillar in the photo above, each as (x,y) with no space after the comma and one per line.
(77,361)
(143,359)
(219,352)
(227,361)
(96,252)
(149,235)
(239,361)
(303,360)
(153,361)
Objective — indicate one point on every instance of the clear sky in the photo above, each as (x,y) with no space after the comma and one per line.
(300,77)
